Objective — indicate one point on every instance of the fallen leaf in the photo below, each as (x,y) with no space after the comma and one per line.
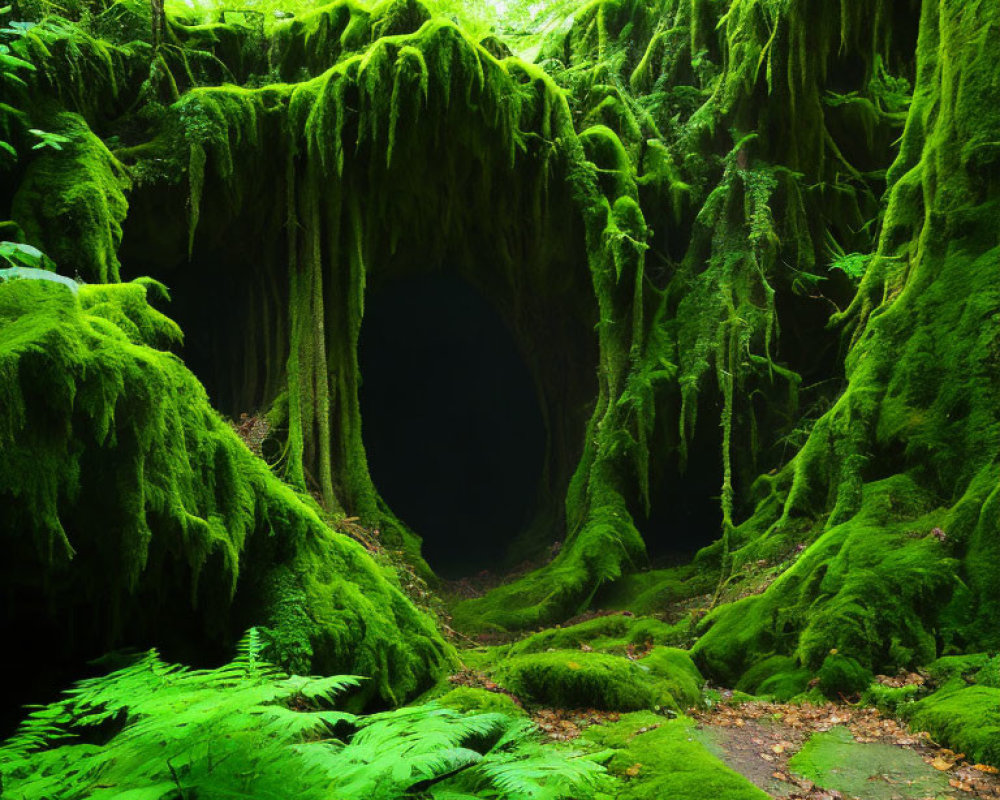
(941,764)
(986,768)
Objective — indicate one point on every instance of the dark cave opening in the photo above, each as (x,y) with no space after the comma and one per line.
(686,511)
(453,431)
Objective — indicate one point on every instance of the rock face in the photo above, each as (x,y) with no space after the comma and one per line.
(769,228)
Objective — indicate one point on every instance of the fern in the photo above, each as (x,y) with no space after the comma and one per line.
(159,731)
(853,265)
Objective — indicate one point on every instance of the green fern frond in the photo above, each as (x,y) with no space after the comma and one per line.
(248,730)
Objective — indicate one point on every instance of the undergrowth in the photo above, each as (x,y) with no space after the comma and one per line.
(153,731)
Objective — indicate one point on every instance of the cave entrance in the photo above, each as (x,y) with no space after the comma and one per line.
(451,420)
(686,509)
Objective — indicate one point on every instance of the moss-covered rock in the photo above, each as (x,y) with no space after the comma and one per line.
(72,203)
(471,699)
(967,718)
(842,676)
(779,677)
(130,498)
(573,679)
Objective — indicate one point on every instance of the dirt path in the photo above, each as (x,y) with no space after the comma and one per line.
(831,752)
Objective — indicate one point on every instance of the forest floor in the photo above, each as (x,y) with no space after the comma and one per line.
(833,751)
(791,751)
(804,751)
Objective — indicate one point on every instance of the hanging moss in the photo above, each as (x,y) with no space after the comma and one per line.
(422,84)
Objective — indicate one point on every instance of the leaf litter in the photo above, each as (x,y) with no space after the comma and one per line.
(759,739)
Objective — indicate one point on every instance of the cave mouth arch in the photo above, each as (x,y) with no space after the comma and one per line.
(451,420)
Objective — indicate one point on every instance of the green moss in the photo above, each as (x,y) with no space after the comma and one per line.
(949,668)
(654,591)
(843,676)
(609,634)
(869,588)
(892,701)
(574,679)
(966,718)
(666,677)
(835,761)
(127,306)
(83,72)
(470,699)
(676,668)
(780,677)
(122,490)
(660,758)
(315,41)
(72,203)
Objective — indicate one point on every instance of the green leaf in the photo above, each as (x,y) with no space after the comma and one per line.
(14,62)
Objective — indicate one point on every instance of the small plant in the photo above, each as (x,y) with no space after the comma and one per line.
(30,263)
(853,265)
(10,68)
(16,254)
(47,139)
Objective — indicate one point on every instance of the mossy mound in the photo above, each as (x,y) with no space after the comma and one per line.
(962,709)
(129,498)
(842,676)
(658,758)
(574,679)
(654,591)
(777,677)
(870,588)
(966,717)
(613,633)
(471,699)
